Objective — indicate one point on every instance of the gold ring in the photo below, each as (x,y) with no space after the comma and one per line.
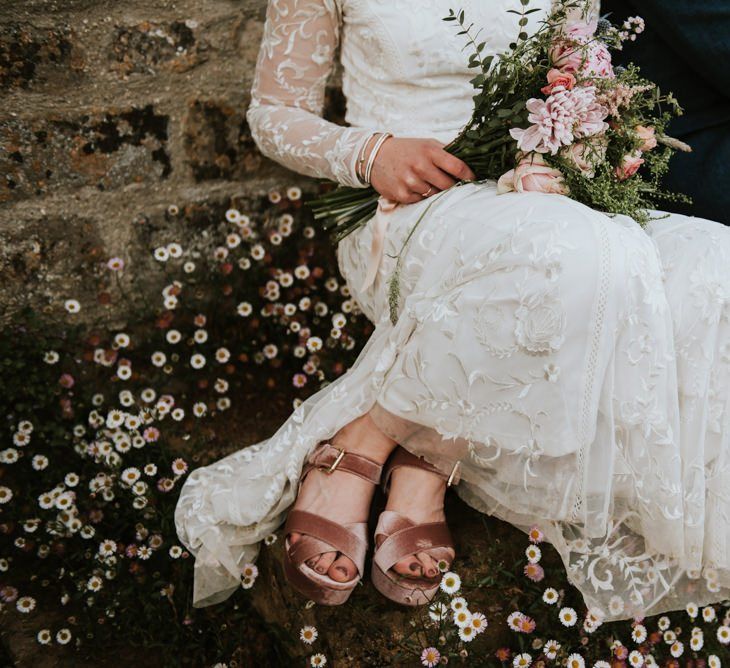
(428,192)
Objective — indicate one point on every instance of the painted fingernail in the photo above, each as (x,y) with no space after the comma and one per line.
(413,566)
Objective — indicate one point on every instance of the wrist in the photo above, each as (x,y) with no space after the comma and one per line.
(370,152)
(363,156)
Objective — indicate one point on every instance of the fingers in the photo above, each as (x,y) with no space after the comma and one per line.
(437,177)
(453,165)
(416,184)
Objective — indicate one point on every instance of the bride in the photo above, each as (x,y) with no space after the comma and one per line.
(554,365)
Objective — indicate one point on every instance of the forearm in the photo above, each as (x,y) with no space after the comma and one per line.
(306,143)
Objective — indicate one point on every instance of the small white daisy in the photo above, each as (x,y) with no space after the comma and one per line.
(39,462)
(5,494)
(25,604)
(568,617)
(533,554)
(458,603)
(450,582)
(197,361)
(478,622)
(72,305)
(462,617)
(638,634)
(522,660)
(551,649)
(437,611)
(63,637)
(636,659)
(308,634)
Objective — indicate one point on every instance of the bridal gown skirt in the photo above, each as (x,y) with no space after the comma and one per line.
(576,365)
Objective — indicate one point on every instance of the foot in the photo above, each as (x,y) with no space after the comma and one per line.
(341,496)
(419,495)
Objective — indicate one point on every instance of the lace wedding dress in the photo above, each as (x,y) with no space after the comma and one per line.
(576,365)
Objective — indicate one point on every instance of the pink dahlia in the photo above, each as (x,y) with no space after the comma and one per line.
(565,116)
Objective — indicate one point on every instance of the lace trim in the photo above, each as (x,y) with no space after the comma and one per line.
(599,313)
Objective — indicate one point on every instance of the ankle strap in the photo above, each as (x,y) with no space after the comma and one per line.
(403,457)
(331,458)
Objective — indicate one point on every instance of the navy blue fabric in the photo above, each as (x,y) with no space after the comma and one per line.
(686,49)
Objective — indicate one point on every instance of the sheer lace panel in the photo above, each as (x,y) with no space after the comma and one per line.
(295,59)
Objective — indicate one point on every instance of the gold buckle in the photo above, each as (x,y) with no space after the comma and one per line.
(334,464)
(453,472)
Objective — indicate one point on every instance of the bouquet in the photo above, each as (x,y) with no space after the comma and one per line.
(552,114)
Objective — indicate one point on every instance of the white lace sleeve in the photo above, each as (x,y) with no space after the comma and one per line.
(294,61)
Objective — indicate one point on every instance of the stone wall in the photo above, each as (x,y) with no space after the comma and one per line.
(111,113)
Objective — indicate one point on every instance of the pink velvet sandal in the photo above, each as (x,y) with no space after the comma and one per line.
(404,537)
(323,535)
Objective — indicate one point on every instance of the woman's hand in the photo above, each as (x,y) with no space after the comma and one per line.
(405,168)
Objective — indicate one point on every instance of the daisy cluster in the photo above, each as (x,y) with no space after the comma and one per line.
(451,621)
(308,634)
(278,289)
(558,635)
(103,426)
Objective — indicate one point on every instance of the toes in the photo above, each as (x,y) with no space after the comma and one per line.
(294,536)
(325,561)
(342,569)
(430,567)
(409,567)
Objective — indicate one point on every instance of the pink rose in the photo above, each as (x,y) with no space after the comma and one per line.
(557,78)
(630,164)
(567,53)
(646,134)
(586,156)
(578,52)
(566,56)
(577,29)
(532,174)
(598,62)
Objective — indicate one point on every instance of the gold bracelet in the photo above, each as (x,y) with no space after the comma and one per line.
(361,158)
(373,153)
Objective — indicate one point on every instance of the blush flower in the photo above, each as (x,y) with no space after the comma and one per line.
(532,174)
(565,116)
(598,62)
(647,137)
(630,164)
(586,155)
(557,78)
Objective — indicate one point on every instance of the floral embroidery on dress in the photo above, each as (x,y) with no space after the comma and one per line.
(577,365)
